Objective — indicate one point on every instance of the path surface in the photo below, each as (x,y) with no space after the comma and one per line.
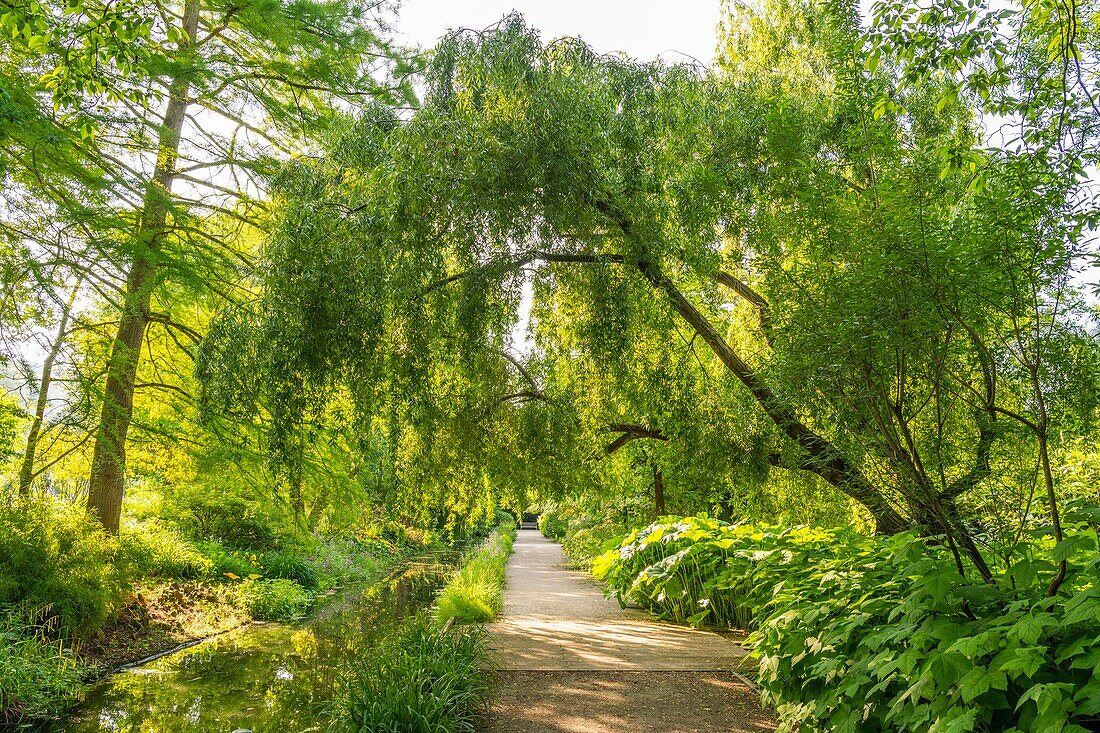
(572,661)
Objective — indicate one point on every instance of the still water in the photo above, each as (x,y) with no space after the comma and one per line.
(268,678)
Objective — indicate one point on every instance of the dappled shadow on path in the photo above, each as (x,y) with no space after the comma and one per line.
(571,661)
(534,642)
(624,702)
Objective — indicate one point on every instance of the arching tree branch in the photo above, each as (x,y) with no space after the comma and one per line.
(631,432)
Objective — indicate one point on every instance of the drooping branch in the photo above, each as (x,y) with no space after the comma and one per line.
(521,397)
(514,361)
(822,458)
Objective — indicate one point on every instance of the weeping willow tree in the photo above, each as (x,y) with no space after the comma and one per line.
(732,273)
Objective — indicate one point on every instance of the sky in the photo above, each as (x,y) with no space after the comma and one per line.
(642,29)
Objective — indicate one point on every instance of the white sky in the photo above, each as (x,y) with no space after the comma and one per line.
(643,29)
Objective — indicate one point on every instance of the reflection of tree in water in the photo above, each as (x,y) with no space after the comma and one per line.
(268,676)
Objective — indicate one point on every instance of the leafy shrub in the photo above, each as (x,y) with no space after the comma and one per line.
(340,560)
(392,539)
(230,563)
(503,516)
(274,600)
(586,544)
(160,550)
(230,521)
(699,570)
(37,679)
(289,566)
(476,593)
(56,557)
(856,633)
(421,680)
(557,521)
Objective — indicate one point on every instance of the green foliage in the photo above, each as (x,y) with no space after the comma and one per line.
(856,633)
(556,520)
(585,533)
(157,549)
(38,679)
(339,560)
(421,680)
(912,374)
(290,566)
(274,600)
(230,562)
(57,559)
(476,592)
(11,423)
(230,520)
(588,543)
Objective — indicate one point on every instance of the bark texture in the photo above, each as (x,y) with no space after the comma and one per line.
(106,485)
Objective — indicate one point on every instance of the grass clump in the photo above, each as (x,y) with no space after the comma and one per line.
(159,550)
(289,566)
(476,593)
(38,679)
(421,680)
(274,600)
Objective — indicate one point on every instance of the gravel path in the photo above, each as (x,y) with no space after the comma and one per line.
(570,661)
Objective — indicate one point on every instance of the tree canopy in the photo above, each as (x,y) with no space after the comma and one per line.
(761,269)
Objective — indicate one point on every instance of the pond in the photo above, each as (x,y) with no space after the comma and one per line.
(261,677)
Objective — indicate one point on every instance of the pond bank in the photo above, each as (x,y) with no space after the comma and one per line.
(267,676)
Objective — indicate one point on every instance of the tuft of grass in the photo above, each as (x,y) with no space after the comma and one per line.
(159,550)
(476,593)
(274,600)
(39,679)
(421,680)
(290,566)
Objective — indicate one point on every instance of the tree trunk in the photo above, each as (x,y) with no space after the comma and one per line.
(106,484)
(821,457)
(658,490)
(26,469)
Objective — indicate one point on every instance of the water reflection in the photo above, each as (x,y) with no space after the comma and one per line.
(266,677)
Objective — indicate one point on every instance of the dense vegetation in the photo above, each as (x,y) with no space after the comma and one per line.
(476,593)
(284,302)
(423,680)
(853,632)
(430,677)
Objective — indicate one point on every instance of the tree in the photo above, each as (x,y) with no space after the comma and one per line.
(186,128)
(575,173)
(1032,66)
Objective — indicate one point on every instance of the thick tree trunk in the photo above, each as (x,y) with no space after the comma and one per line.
(26,469)
(106,484)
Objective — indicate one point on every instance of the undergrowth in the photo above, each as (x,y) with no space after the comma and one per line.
(38,677)
(583,535)
(420,680)
(274,600)
(884,634)
(476,592)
